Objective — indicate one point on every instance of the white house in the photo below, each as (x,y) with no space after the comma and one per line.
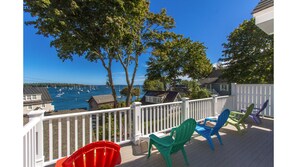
(35,98)
(264,16)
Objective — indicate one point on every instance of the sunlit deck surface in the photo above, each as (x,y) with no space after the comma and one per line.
(254,148)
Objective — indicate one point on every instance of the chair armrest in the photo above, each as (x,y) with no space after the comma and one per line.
(158,140)
(172,131)
(205,120)
(235,113)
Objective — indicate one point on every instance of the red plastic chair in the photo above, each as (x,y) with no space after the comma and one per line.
(96,154)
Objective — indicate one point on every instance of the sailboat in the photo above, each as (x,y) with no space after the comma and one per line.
(119,93)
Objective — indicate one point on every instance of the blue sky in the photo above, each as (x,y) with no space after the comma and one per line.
(206,21)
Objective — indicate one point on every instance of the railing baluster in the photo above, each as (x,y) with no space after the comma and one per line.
(83,131)
(30,148)
(125,125)
(151,120)
(90,128)
(50,140)
(103,125)
(59,139)
(26,150)
(154,112)
(161,122)
(130,124)
(109,126)
(68,137)
(97,127)
(142,121)
(158,118)
(115,126)
(167,116)
(120,119)
(146,120)
(76,133)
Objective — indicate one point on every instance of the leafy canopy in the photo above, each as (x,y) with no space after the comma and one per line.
(153,85)
(248,55)
(178,56)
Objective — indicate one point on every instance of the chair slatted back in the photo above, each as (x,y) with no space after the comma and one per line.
(249,110)
(183,134)
(97,154)
(221,121)
(263,107)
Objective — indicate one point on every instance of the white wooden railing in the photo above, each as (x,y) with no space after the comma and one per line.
(68,132)
(160,117)
(49,138)
(33,140)
(245,94)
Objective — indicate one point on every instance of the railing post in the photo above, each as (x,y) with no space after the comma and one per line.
(214,111)
(136,106)
(234,95)
(39,160)
(185,108)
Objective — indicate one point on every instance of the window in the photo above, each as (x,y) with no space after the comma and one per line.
(29,97)
(152,99)
(30,107)
(33,97)
(24,97)
(224,87)
(43,106)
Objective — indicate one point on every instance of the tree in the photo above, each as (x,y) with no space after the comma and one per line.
(195,91)
(176,57)
(100,30)
(153,85)
(248,55)
(125,92)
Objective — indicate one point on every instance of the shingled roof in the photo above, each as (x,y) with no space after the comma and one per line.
(45,96)
(170,96)
(263,4)
(99,99)
(214,77)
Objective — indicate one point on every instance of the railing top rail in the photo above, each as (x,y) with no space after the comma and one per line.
(30,125)
(161,104)
(219,97)
(204,99)
(254,84)
(86,113)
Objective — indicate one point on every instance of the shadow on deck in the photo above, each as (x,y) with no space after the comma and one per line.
(253,148)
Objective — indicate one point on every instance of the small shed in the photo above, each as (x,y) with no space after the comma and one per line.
(96,102)
(155,97)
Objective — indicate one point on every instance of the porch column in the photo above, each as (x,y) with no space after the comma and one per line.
(185,109)
(234,95)
(214,102)
(136,106)
(39,160)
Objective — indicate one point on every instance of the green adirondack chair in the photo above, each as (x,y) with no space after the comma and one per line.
(237,118)
(175,142)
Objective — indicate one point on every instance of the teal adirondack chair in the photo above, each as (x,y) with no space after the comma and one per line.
(175,142)
(237,118)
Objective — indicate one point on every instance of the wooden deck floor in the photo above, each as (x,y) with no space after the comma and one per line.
(252,149)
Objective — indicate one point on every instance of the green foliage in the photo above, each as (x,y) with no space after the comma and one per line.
(178,56)
(105,106)
(153,85)
(135,92)
(195,92)
(248,55)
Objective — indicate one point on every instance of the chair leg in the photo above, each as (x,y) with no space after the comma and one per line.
(243,125)
(149,149)
(238,128)
(219,137)
(168,160)
(185,155)
(210,143)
